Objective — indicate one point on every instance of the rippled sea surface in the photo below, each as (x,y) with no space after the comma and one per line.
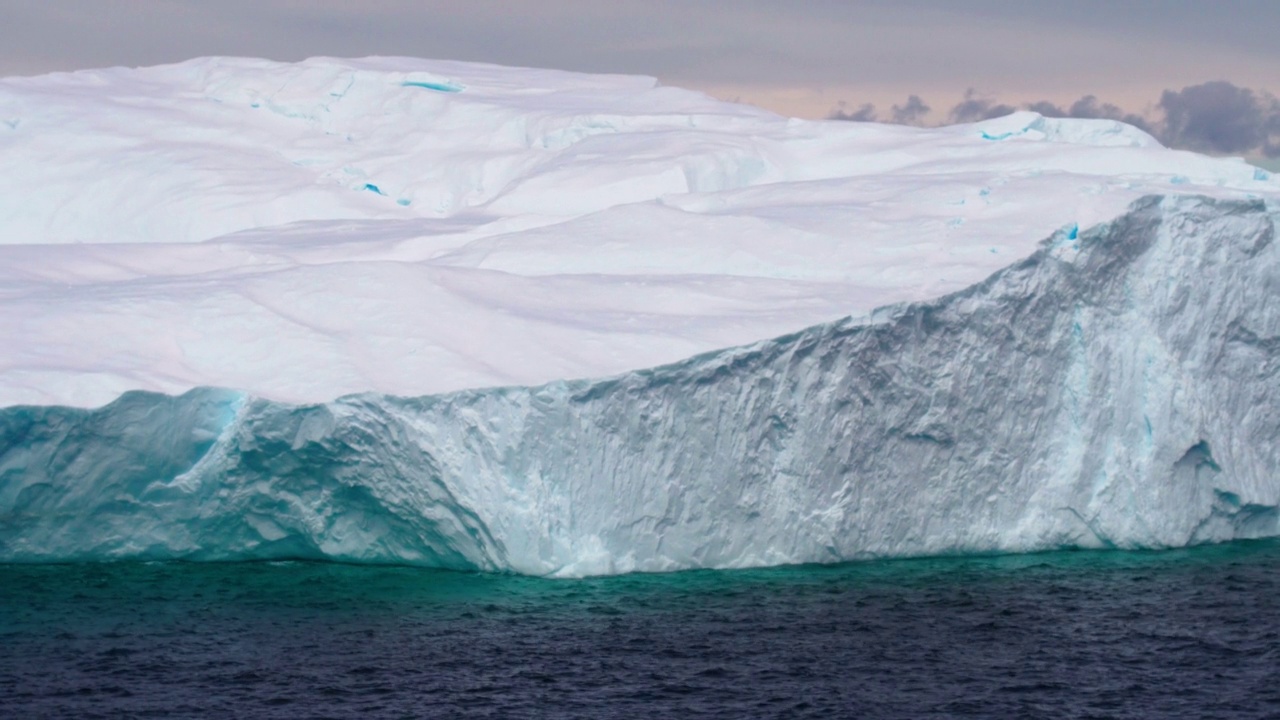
(1192,634)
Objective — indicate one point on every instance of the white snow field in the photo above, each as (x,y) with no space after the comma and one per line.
(306,231)
(593,325)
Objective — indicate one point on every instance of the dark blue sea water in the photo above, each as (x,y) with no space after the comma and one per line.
(1185,634)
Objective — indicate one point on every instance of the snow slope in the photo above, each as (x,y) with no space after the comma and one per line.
(300,232)
(1119,388)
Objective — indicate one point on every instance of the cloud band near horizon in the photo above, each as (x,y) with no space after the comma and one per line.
(1216,117)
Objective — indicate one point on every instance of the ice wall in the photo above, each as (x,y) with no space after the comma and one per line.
(1118,388)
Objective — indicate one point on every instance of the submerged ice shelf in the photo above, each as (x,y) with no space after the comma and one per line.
(1118,388)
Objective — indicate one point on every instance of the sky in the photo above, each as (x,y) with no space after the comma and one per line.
(809,59)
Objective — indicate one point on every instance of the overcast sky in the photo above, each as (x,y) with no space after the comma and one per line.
(800,57)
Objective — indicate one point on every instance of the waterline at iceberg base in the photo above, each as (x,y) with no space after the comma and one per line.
(1118,388)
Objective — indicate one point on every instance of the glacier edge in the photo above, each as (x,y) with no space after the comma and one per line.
(1118,388)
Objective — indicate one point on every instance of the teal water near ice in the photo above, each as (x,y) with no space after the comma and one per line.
(1187,633)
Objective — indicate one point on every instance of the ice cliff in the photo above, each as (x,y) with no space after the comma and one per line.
(1116,388)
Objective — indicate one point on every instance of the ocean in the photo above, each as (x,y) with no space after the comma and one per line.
(1087,634)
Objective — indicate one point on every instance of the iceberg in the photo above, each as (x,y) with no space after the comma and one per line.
(456,315)
(1117,388)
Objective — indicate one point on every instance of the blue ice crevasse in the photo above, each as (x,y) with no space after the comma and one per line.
(438,86)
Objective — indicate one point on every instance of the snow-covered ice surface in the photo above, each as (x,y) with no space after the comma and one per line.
(305,231)
(424,232)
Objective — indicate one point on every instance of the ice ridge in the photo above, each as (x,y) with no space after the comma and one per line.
(1118,388)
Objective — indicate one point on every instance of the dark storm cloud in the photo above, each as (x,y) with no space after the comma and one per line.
(1214,117)
(975,107)
(865,113)
(1220,117)
(912,112)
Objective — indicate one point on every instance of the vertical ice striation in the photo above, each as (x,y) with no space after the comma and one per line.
(1117,388)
